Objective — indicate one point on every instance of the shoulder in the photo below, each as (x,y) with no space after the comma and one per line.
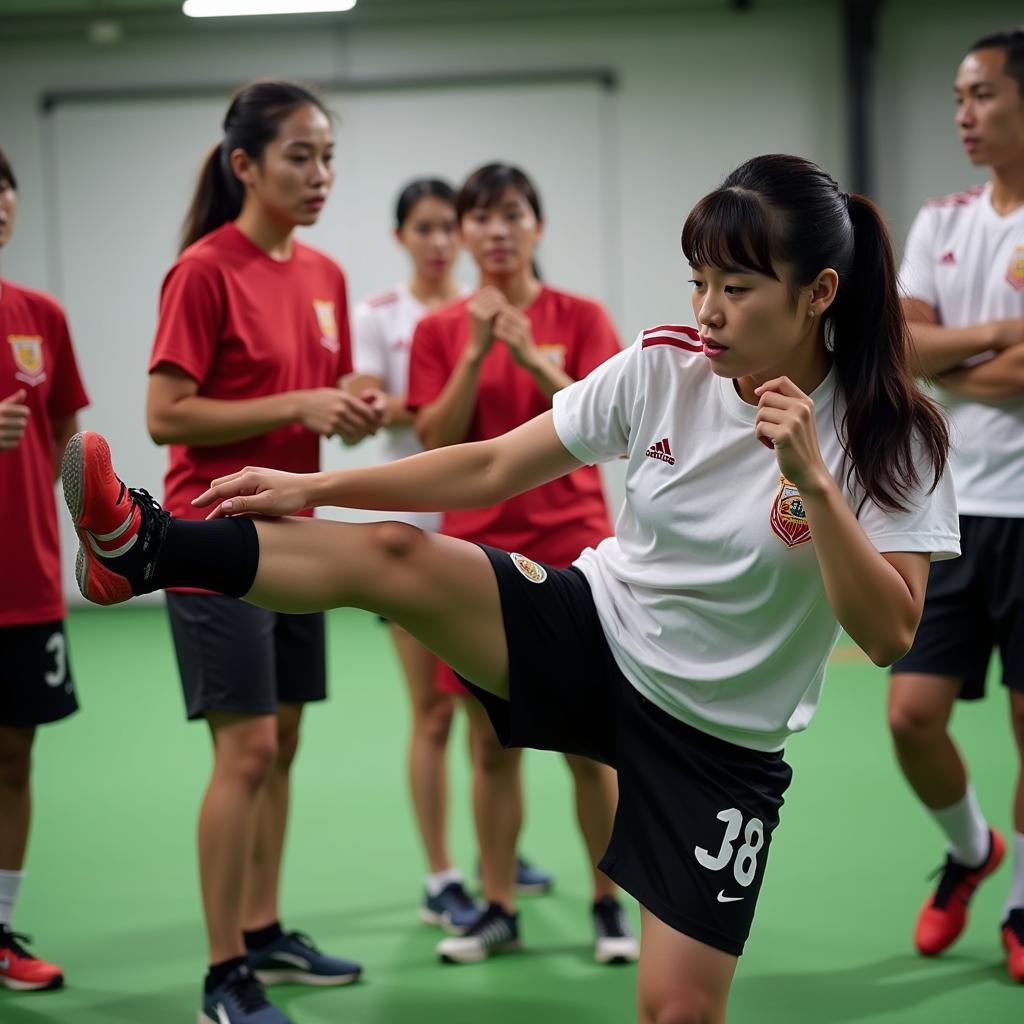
(956,200)
(569,304)
(447,318)
(307,257)
(38,303)
(678,339)
(384,300)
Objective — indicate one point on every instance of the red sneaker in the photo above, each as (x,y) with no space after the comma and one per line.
(944,916)
(1013,943)
(111,521)
(22,971)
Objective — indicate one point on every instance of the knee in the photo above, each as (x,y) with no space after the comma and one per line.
(912,724)
(396,540)
(434,720)
(251,761)
(287,746)
(490,757)
(683,1009)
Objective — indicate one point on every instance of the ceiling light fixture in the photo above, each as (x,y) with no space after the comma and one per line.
(238,8)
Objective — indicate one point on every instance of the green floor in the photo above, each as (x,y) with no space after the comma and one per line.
(111,889)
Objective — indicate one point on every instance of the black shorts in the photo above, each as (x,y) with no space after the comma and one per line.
(235,657)
(974,604)
(696,814)
(35,675)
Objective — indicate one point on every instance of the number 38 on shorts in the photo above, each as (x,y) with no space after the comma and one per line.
(743,858)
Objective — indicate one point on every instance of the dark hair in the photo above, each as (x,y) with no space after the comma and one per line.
(421,188)
(253,119)
(487,184)
(786,210)
(6,171)
(1012,41)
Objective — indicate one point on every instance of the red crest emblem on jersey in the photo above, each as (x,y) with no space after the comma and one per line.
(328,324)
(28,357)
(1015,271)
(789,518)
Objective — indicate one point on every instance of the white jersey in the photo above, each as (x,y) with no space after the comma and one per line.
(382,333)
(709,592)
(967,262)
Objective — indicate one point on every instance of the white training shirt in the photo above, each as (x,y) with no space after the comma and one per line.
(382,333)
(709,593)
(967,262)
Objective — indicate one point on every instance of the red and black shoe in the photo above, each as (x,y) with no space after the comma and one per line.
(944,916)
(120,530)
(1013,943)
(22,971)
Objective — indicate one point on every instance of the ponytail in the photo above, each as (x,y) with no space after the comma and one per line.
(253,119)
(889,422)
(217,198)
(784,210)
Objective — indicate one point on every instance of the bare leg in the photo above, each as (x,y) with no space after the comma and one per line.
(497,807)
(920,707)
(597,796)
(428,747)
(15,795)
(1017,720)
(440,589)
(263,874)
(244,751)
(681,980)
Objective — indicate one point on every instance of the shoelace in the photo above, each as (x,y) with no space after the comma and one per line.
(154,516)
(247,990)
(460,897)
(611,921)
(302,939)
(492,927)
(952,875)
(12,941)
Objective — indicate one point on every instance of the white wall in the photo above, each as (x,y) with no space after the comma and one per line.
(698,93)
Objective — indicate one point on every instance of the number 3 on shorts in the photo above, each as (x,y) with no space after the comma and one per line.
(745,864)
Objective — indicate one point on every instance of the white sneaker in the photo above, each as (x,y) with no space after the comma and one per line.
(494,931)
(614,941)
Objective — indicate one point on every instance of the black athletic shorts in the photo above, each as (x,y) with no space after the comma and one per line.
(696,814)
(233,656)
(974,604)
(35,675)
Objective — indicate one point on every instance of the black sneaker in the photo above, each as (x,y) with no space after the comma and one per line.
(614,941)
(239,999)
(495,931)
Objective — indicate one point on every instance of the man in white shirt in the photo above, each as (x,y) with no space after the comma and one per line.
(963,286)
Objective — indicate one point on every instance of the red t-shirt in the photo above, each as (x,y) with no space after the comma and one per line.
(555,522)
(243,325)
(36,355)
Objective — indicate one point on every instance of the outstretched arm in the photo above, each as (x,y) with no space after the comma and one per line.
(999,379)
(457,476)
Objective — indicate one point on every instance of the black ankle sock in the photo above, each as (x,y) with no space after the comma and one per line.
(261,937)
(218,972)
(220,555)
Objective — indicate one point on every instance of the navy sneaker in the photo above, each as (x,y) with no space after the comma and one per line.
(531,879)
(294,958)
(614,941)
(452,909)
(494,931)
(239,999)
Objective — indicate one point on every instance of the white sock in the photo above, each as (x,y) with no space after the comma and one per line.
(966,829)
(10,883)
(437,881)
(1016,898)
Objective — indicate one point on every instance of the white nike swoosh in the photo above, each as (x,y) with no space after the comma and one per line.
(722,898)
(222,1015)
(5,963)
(290,958)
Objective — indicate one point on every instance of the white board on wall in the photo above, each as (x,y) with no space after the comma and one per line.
(124,171)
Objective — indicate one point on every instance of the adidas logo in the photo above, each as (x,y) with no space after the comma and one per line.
(661,451)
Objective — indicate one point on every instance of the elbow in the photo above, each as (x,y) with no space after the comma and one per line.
(161,431)
(889,650)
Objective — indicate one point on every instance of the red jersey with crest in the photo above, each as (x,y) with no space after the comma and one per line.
(555,522)
(35,356)
(244,325)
